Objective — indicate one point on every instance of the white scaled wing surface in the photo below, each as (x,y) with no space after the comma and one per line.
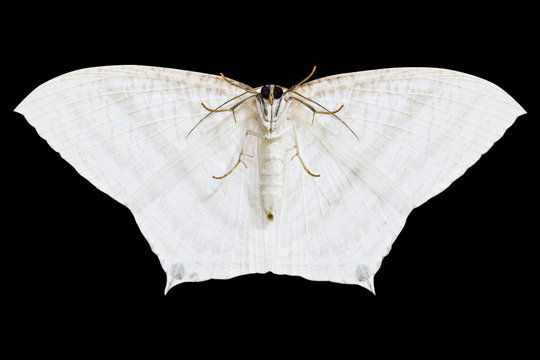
(124,129)
(418,130)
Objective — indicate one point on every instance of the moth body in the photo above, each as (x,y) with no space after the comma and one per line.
(271,174)
(272,114)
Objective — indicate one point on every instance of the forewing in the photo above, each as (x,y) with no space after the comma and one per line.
(403,136)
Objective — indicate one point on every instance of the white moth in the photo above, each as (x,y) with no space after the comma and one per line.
(203,162)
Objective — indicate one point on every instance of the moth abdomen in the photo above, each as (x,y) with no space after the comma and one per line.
(271,174)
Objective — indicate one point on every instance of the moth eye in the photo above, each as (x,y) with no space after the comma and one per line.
(278,91)
(265,91)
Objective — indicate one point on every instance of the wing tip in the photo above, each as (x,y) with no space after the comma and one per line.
(369,284)
(521,110)
(168,286)
(172,281)
(18,109)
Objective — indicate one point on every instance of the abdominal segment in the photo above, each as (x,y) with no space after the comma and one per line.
(271,174)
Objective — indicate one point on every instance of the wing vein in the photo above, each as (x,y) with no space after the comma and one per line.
(412,133)
(222,237)
(339,160)
(306,225)
(237,221)
(407,94)
(167,168)
(131,145)
(432,123)
(411,150)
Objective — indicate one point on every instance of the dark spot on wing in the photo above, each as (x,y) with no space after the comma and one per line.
(362,273)
(177,271)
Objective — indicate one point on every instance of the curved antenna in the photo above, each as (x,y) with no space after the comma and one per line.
(238,84)
(301,82)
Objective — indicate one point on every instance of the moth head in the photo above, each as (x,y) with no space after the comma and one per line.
(271,93)
(272,107)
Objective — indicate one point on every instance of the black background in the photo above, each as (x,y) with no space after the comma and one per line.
(75,258)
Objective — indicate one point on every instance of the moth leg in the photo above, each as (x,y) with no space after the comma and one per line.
(299,97)
(221,110)
(239,157)
(298,154)
(317,111)
(218,109)
(324,113)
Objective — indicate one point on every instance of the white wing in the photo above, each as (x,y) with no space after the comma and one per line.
(418,130)
(124,127)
